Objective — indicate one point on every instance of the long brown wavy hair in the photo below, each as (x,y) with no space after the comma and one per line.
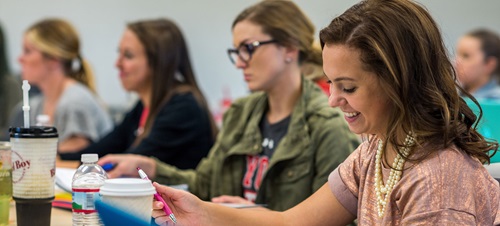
(400,42)
(170,66)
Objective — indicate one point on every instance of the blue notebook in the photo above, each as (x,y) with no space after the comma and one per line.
(489,126)
(113,216)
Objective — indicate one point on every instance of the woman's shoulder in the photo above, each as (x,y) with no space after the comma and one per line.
(451,162)
(454,181)
(367,148)
(78,92)
(183,97)
(247,103)
(450,157)
(363,155)
(248,100)
(78,99)
(185,100)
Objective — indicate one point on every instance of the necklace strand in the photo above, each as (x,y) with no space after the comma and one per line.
(384,191)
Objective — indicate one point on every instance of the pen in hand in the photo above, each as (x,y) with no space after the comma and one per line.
(158,197)
(108,167)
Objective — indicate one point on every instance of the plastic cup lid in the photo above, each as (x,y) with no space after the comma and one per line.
(33,132)
(127,187)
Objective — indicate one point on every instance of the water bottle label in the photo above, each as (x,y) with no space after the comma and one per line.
(83,200)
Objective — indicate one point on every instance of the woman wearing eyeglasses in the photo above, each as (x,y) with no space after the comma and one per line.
(278,145)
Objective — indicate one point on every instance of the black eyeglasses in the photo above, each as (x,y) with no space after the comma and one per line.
(245,51)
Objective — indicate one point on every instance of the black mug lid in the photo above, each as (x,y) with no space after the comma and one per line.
(33,132)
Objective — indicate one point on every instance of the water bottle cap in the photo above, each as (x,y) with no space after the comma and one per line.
(90,157)
(42,120)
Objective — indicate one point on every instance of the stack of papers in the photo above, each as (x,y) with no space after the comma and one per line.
(63,201)
(64,177)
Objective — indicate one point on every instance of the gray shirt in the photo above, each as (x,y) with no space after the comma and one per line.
(78,112)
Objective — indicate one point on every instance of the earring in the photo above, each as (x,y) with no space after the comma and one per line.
(76,64)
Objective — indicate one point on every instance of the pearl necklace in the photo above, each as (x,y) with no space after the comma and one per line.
(394,176)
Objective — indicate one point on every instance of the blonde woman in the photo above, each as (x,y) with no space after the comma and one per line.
(51,60)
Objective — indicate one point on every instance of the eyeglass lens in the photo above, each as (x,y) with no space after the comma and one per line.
(241,52)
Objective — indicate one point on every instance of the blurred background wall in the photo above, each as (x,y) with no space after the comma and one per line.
(206,25)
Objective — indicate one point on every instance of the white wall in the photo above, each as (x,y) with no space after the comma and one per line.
(206,25)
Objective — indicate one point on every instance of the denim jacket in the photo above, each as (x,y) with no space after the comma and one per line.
(490,91)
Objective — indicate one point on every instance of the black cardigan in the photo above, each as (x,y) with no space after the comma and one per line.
(181,134)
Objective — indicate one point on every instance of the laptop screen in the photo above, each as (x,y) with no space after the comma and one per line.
(489,126)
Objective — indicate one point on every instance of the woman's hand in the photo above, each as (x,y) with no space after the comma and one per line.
(126,165)
(187,208)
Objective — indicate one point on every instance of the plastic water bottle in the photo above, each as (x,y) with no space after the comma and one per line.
(43,120)
(86,184)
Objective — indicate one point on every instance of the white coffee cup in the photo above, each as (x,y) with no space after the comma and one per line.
(33,157)
(33,160)
(132,195)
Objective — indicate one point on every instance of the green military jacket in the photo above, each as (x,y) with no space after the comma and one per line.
(318,140)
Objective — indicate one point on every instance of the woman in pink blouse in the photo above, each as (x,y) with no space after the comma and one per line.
(421,162)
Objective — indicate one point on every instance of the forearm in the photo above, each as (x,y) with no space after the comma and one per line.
(221,215)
